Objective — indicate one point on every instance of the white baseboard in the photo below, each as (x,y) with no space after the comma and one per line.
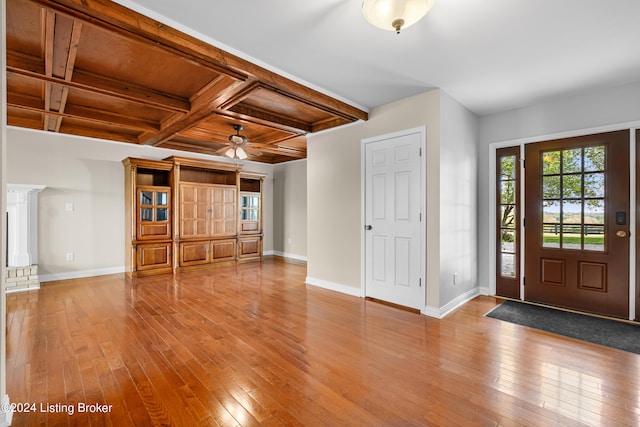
(440,313)
(80,274)
(14,291)
(6,415)
(289,256)
(349,290)
(484,291)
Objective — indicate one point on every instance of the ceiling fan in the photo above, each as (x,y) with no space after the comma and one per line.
(240,146)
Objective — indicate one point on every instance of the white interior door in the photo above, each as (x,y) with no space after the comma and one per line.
(392,220)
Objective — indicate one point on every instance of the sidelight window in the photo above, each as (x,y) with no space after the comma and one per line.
(507,221)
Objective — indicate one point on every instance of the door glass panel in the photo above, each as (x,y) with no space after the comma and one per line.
(161,199)
(508,265)
(508,241)
(508,193)
(594,238)
(146,198)
(594,185)
(594,212)
(572,160)
(571,236)
(572,186)
(551,162)
(507,168)
(551,212)
(508,216)
(594,159)
(146,214)
(161,214)
(551,187)
(573,191)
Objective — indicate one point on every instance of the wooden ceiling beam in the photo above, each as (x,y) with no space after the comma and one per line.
(110,87)
(205,103)
(134,26)
(83,113)
(270,119)
(62,37)
(114,17)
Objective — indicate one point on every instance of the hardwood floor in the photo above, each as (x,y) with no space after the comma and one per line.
(252,345)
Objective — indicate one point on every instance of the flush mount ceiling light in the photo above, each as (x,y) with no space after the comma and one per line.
(395,15)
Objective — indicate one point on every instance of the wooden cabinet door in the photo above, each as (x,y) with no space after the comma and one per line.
(153,212)
(151,256)
(194,253)
(223,250)
(249,247)
(250,213)
(195,206)
(223,211)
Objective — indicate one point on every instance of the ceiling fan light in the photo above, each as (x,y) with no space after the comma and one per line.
(231,152)
(394,15)
(240,153)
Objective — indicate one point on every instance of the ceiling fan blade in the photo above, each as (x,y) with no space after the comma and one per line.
(223,150)
(252,151)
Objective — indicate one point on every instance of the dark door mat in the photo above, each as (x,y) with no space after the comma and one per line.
(610,333)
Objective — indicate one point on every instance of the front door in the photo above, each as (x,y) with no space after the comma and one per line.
(577,223)
(392,220)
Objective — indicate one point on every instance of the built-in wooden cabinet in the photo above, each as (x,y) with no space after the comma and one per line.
(148,216)
(250,216)
(204,212)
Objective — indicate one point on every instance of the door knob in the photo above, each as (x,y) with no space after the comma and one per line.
(621,233)
(368,227)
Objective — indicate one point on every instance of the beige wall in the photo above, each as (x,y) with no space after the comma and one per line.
(88,174)
(335,199)
(290,209)
(334,190)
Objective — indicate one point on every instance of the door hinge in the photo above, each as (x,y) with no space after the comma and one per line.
(420,282)
(524,222)
(420,151)
(420,215)
(524,281)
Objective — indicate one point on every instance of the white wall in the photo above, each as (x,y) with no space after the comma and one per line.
(88,174)
(334,198)
(458,201)
(610,108)
(290,209)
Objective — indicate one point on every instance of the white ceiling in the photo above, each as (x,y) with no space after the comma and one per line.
(490,56)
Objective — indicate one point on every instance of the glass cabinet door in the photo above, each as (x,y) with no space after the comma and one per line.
(153,212)
(250,212)
(250,208)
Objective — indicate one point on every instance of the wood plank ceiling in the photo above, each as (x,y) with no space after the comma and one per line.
(97,69)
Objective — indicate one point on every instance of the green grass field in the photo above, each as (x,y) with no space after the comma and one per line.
(574,239)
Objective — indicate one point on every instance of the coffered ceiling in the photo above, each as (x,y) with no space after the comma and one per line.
(97,69)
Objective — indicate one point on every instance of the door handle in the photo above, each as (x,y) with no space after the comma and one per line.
(368,227)
(621,233)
